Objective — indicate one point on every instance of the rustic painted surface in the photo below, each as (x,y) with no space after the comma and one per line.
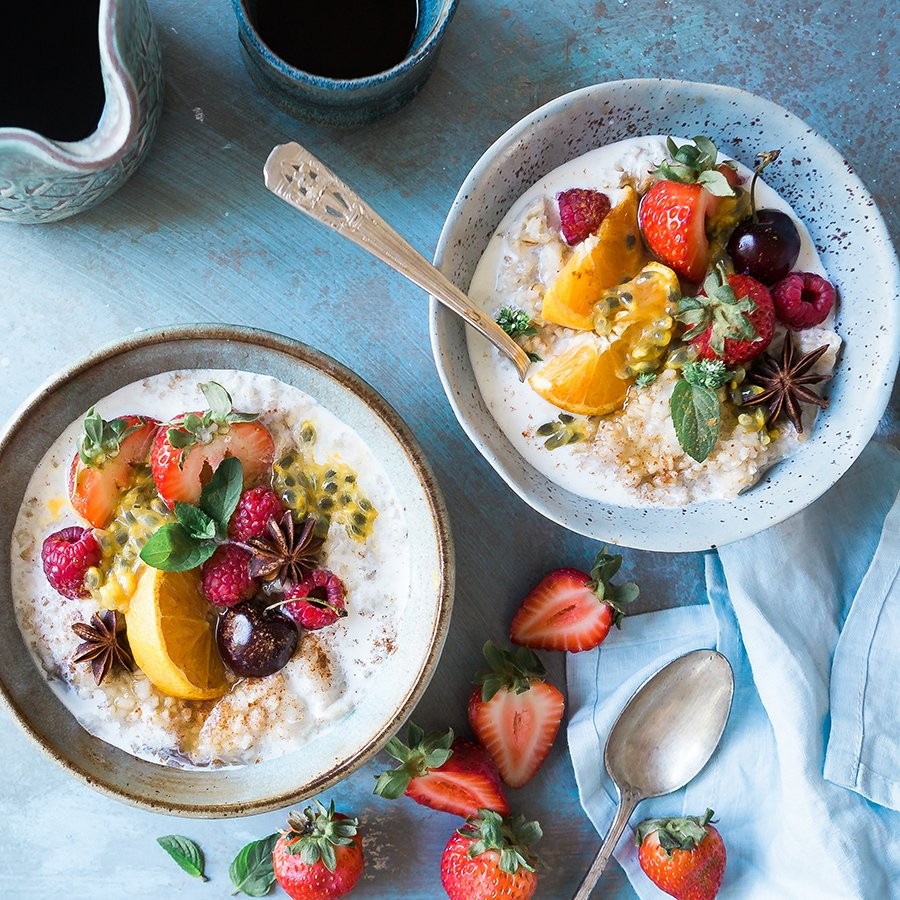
(195,237)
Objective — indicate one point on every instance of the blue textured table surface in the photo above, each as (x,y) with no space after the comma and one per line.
(195,237)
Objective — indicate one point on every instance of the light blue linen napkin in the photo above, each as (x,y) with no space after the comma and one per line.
(806,781)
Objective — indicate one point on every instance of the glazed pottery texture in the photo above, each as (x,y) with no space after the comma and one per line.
(845,225)
(344,102)
(421,626)
(42,180)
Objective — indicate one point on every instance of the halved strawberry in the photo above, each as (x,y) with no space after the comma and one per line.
(454,776)
(103,467)
(186,453)
(515,713)
(571,610)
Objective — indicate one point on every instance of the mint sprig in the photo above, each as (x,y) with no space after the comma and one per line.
(193,538)
(696,416)
(185,852)
(251,871)
(515,322)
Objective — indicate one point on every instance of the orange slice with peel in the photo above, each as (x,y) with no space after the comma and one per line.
(604,260)
(584,379)
(171,638)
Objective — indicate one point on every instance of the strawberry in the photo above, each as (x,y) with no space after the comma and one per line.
(732,319)
(320,855)
(490,858)
(581,212)
(191,448)
(515,713)
(685,857)
(673,213)
(571,610)
(454,776)
(103,467)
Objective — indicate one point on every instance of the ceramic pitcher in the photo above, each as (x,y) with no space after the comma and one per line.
(42,180)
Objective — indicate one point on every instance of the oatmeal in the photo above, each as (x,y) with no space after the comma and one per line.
(608,323)
(203,713)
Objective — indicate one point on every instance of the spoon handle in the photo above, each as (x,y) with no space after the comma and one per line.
(627,802)
(295,175)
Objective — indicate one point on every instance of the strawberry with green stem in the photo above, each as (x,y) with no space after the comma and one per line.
(515,713)
(491,858)
(573,610)
(451,775)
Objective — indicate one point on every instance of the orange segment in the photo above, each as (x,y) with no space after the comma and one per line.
(171,638)
(599,263)
(583,380)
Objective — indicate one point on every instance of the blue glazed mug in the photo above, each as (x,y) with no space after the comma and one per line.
(43,180)
(344,101)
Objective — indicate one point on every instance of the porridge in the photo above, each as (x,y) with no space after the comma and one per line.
(211,588)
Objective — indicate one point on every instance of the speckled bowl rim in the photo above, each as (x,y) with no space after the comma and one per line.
(607,527)
(444,591)
(344,84)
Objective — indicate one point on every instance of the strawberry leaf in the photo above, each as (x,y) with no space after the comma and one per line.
(185,852)
(251,870)
(218,399)
(696,417)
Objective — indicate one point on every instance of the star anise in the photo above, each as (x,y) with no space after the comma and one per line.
(104,646)
(286,553)
(785,382)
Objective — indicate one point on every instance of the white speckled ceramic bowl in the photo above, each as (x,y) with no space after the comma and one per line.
(421,626)
(845,225)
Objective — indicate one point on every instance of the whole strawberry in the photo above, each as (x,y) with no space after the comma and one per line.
(454,776)
(515,712)
(320,855)
(733,319)
(684,856)
(573,610)
(490,858)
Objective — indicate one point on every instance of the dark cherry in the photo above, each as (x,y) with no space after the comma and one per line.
(255,641)
(765,246)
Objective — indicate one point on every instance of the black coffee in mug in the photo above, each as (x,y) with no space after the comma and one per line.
(50,78)
(337,38)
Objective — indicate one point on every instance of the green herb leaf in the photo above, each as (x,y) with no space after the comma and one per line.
(185,852)
(515,322)
(710,373)
(218,399)
(696,417)
(251,870)
(219,498)
(645,379)
(195,522)
(172,549)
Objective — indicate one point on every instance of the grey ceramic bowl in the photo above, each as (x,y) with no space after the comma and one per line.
(343,102)
(845,225)
(422,627)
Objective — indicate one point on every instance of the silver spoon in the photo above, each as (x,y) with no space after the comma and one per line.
(295,175)
(663,737)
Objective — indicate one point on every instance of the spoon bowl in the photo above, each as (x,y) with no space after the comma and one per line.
(663,737)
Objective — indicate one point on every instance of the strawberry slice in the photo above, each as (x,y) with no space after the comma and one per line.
(672,217)
(104,466)
(571,610)
(454,776)
(515,713)
(185,454)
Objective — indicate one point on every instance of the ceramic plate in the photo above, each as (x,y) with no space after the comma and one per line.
(421,627)
(845,225)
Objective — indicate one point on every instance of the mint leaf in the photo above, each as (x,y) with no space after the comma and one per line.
(185,852)
(219,498)
(195,522)
(172,549)
(696,418)
(251,870)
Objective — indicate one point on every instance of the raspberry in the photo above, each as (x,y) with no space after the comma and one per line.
(802,300)
(581,210)
(317,601)
(225,576)
(253,512)
(66,556)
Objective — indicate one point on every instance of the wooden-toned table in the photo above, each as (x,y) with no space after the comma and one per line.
(195,237)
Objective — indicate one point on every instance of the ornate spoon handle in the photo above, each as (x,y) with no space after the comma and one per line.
(296,176)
